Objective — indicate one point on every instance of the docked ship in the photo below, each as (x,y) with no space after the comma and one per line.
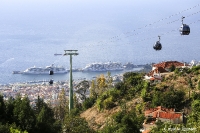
(101,67)
(129,66)
(46,70)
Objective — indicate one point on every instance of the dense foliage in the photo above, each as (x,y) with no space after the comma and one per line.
(188,98)
(127,89)
(124,122)
(18,115)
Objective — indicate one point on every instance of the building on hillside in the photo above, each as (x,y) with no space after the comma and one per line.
(194,63)
(158,69)
(168,64)
(155,74)
(162,114)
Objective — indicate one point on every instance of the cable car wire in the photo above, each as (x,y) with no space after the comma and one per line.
(111,41)
(115,37)
(150,38)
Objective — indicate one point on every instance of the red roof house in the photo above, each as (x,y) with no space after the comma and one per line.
(163,114)
(163,67)
(168,64)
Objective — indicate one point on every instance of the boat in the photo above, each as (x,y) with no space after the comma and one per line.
(17,72)
(102,67)
(57,54)
(46,70)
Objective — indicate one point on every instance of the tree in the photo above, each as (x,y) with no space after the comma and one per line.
(38,105)
(93,93)
(9,110)
(190,84)
(4,128)
(101,84)
(177,99)
(198,85)
(132,78)
(172,68)
(170,98)
(75,124)
(126,122)
(24,114)
(194,117)
(144,91)
(88,103)
(61,108)
(2,110)
(45,122)
(12,130)
(109,80)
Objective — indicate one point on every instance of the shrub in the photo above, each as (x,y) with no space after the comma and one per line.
(108,103)
(195,68)
(172,68)
(88,103)
(115,94)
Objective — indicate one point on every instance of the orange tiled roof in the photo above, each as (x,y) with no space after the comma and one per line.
(158,109)
(168,64)
(160,112)
(166,115)
(146,131)
(169,115)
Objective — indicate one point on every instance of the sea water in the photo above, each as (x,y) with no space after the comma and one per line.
(18,53)
(31,37)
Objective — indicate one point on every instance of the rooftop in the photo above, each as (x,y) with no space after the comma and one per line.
(168,64)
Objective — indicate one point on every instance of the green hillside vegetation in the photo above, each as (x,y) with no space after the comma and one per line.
(109,108)
(179,89)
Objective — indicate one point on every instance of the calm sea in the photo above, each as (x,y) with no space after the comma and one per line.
(19,52)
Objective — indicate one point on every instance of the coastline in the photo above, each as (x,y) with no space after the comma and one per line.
(77,75)
(48,92)
(88,74)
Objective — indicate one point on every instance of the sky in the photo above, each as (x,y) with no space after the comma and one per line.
(35,12)
(101,24)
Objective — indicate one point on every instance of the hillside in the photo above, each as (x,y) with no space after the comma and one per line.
(97,119)
(177,90)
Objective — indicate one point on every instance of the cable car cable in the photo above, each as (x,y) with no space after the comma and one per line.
(157,21)
(162,34)
(138,32)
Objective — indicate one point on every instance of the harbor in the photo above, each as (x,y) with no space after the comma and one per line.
(92,67)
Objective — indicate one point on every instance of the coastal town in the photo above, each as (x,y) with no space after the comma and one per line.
(43,89)
(99,66)
(50,92)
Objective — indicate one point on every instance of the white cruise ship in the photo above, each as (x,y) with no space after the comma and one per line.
(100,67)
(40,70)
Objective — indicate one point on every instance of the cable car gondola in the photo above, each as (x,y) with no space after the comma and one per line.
(51,73)
(184,29)
(51,82)
(157,45)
